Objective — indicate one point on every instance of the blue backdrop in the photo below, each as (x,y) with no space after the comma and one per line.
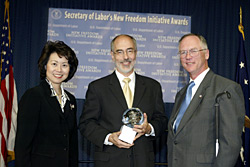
(89,32)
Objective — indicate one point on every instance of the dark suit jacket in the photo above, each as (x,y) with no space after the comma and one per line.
(45,135)
(193,145)
(102,114)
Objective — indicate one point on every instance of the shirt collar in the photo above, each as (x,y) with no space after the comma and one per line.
(53,92)
(199,79)
(121,77)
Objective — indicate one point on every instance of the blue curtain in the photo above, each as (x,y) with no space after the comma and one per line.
(216,20)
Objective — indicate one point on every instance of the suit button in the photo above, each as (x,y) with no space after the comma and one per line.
(175,142)
(65,149)
(64,135)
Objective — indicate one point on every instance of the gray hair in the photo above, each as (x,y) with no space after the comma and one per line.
(113,41)
(203,41)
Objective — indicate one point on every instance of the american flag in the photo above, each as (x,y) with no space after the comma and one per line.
(243,79)
(8,96)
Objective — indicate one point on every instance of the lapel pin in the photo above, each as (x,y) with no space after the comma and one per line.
(72,106)
(200,96)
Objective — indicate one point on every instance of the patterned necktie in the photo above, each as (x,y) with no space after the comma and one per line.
(127,92)
(184,105)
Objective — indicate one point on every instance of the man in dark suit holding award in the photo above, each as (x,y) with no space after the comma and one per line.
(192,126)
(105,104)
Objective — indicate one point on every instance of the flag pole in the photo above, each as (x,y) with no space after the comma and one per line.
(7,10)
(241,78)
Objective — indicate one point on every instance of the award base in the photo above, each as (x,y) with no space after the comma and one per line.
(127,134)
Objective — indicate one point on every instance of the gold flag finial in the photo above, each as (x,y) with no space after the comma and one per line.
(240,26)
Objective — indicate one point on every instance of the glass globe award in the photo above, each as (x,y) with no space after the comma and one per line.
(131,117)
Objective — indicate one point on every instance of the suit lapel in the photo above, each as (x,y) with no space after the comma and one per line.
(68,108)
(52,100)
(115,88)
(139,90)
(179,98)
(195,102)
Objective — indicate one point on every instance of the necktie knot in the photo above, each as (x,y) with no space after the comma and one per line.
(127,92)
(126,80)
(189,90)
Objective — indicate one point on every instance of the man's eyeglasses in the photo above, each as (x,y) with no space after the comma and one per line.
(192,53)
(129,52)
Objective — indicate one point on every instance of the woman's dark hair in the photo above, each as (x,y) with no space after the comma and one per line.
(62,50)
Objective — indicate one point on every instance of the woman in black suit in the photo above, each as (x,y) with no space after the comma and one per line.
(46,121)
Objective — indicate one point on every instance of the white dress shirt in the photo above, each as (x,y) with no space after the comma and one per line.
(132,88)
(197,82)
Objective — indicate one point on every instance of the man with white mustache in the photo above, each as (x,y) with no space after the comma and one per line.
(105,104)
